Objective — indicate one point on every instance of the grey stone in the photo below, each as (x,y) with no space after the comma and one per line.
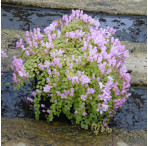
(19,144)
(121,144)
(132,7)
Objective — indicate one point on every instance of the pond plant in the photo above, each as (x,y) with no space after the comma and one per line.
(77,67)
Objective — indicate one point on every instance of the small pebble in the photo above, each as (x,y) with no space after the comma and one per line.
(121,144)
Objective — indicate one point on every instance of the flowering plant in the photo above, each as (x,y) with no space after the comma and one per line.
(77,67)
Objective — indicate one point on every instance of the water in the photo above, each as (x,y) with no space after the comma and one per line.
(133,114)
(129,28)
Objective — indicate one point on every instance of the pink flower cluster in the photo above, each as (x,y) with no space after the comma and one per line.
(65,93)
(81,78)
(75,35)
(102,107)
(18,68)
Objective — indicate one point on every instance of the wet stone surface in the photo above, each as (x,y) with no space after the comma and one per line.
(13,102)
(129,28)
(131,116)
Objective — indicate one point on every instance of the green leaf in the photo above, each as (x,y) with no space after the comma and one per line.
(7,84)
(28,88)
(132,89)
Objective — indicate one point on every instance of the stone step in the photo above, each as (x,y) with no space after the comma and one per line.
(125,7)
(137,62)
(23,132)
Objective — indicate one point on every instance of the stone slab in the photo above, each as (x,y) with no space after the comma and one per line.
(23,132)
(125,7)
(137,62)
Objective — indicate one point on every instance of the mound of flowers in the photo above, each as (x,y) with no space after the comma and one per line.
(76,66)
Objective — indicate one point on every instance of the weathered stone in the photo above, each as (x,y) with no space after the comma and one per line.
(132,7)
(8,45)
(32,132)
(137,62)
(129,137)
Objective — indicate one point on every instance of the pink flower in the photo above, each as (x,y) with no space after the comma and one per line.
(59,52)
(90,91)
(102,107)
(42,105)
(47,79)
(53,36)
(45,50)
(51,95)
(98,78)
(83,97)
(75,112)
(105,125)
(41,66)
(67,71)
(48,111)
(76,61)
(55,71)
(23,48)
(86,85)
(71,94)
(58,74)
(29,99)
(66,40)
(84,79)
(47,88)
(72,90)
(102,67)
(27,53)
(60,65)
(93,77)
(70,65)
(84,114)
(33,52)
(33,93)
(101,85)
(73,57)
(42,43)
(49,72)
(59,33)
(79,57)
(69,78)
(105,119)
(38,91)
